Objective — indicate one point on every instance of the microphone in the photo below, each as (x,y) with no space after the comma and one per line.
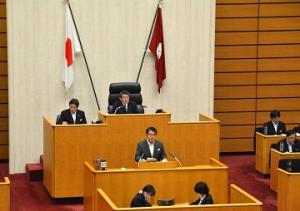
(141,159)
(175,158)
(119,108)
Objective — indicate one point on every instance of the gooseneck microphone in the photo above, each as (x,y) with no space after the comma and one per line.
(119,108)
(175,158)
(141,159)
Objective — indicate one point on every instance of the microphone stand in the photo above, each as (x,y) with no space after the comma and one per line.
(84,57)
(177,160)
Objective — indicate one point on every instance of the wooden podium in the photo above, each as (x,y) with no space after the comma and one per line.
(239,201)
(157,165)
(288,191)
(5,195)
(66,147)
(263,146)
(123,184)
(275,157)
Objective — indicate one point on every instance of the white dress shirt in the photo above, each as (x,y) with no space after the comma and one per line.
(151,147)
(202,198)
(74,117)
(290,147)
(275,126)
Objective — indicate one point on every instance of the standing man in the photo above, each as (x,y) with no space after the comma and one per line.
(124,105)
(150,149)
(72,115)
(274,126)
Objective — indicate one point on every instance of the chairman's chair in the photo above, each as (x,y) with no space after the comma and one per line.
(135,94)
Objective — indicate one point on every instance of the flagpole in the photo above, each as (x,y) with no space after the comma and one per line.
(147,44)
(83,53)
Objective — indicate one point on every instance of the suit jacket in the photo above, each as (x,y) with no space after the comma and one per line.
(131,107)
(66,116)
(271,130)
(295,146)
(207,200)
(140,201)
(158,153)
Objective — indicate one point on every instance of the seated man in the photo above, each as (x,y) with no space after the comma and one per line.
(150,149)
(289,144)
(144,197)
(124,105)
(274,126)
(202,189)
(72,115)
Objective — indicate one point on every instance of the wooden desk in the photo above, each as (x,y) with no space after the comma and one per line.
(288,191)
(5,195)
(275,157)
(122,185)
(158,165)
(66,147)
(262,156)
(240,201)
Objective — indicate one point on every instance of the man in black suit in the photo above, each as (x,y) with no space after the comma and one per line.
(202,189)
(274,127)
(150,149)
(72,115)
(124,105)
(289,144)
(144,198)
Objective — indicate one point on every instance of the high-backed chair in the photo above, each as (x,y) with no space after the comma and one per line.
(135,94)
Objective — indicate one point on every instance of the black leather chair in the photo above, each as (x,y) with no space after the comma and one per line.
(135,94)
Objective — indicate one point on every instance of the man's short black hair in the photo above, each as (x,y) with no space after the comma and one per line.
(290,132)
(274,114)
(153,129)
(74,101)
(202,188)
(149,189)
(124,92)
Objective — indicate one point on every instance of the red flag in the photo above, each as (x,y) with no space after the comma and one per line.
(158,49)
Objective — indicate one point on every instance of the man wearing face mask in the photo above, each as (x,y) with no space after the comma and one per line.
(144,198)
(150,149)
(72,115)
(124,105)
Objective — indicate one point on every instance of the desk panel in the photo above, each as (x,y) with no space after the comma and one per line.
(166,182)
(262,155)
(240,201)
(275,157)
(66,147)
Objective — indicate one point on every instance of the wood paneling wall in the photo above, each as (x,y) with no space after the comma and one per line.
(3,84)
(257,67)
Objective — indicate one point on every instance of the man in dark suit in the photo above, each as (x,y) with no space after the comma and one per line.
(150,149)
(144,198)
(72,115)
(202,189)
(289,144)
(124,105)
(274,127)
